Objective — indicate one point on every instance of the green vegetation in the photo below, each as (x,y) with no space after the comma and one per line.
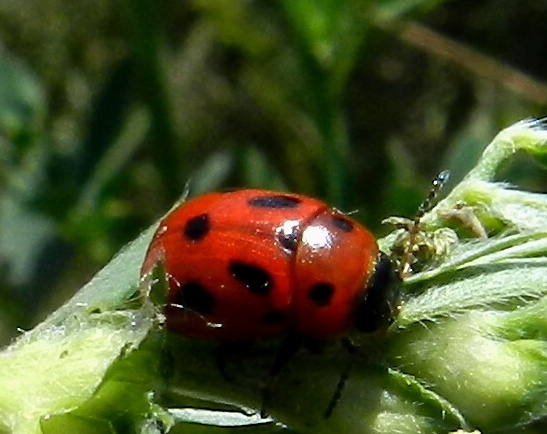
(109,109)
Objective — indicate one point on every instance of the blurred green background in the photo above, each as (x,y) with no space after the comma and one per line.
(109,108)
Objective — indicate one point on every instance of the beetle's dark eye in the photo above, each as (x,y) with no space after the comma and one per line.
(381,298)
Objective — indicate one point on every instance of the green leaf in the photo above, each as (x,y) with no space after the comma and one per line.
(58,366)
(467,351)
(22,100)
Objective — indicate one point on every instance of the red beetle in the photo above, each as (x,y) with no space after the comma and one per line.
(253,264)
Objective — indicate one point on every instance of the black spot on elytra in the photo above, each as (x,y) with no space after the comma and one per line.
(197,227)
(274,317)
(288,241)
(256,279)
(288,237)
(321,294)
(195,297)
(276,202)
(342,223)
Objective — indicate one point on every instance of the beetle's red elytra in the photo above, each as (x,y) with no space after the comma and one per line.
(252,264)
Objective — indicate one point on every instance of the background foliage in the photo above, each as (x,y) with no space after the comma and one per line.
(108,109)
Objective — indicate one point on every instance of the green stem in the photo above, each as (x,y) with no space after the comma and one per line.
(145,26)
